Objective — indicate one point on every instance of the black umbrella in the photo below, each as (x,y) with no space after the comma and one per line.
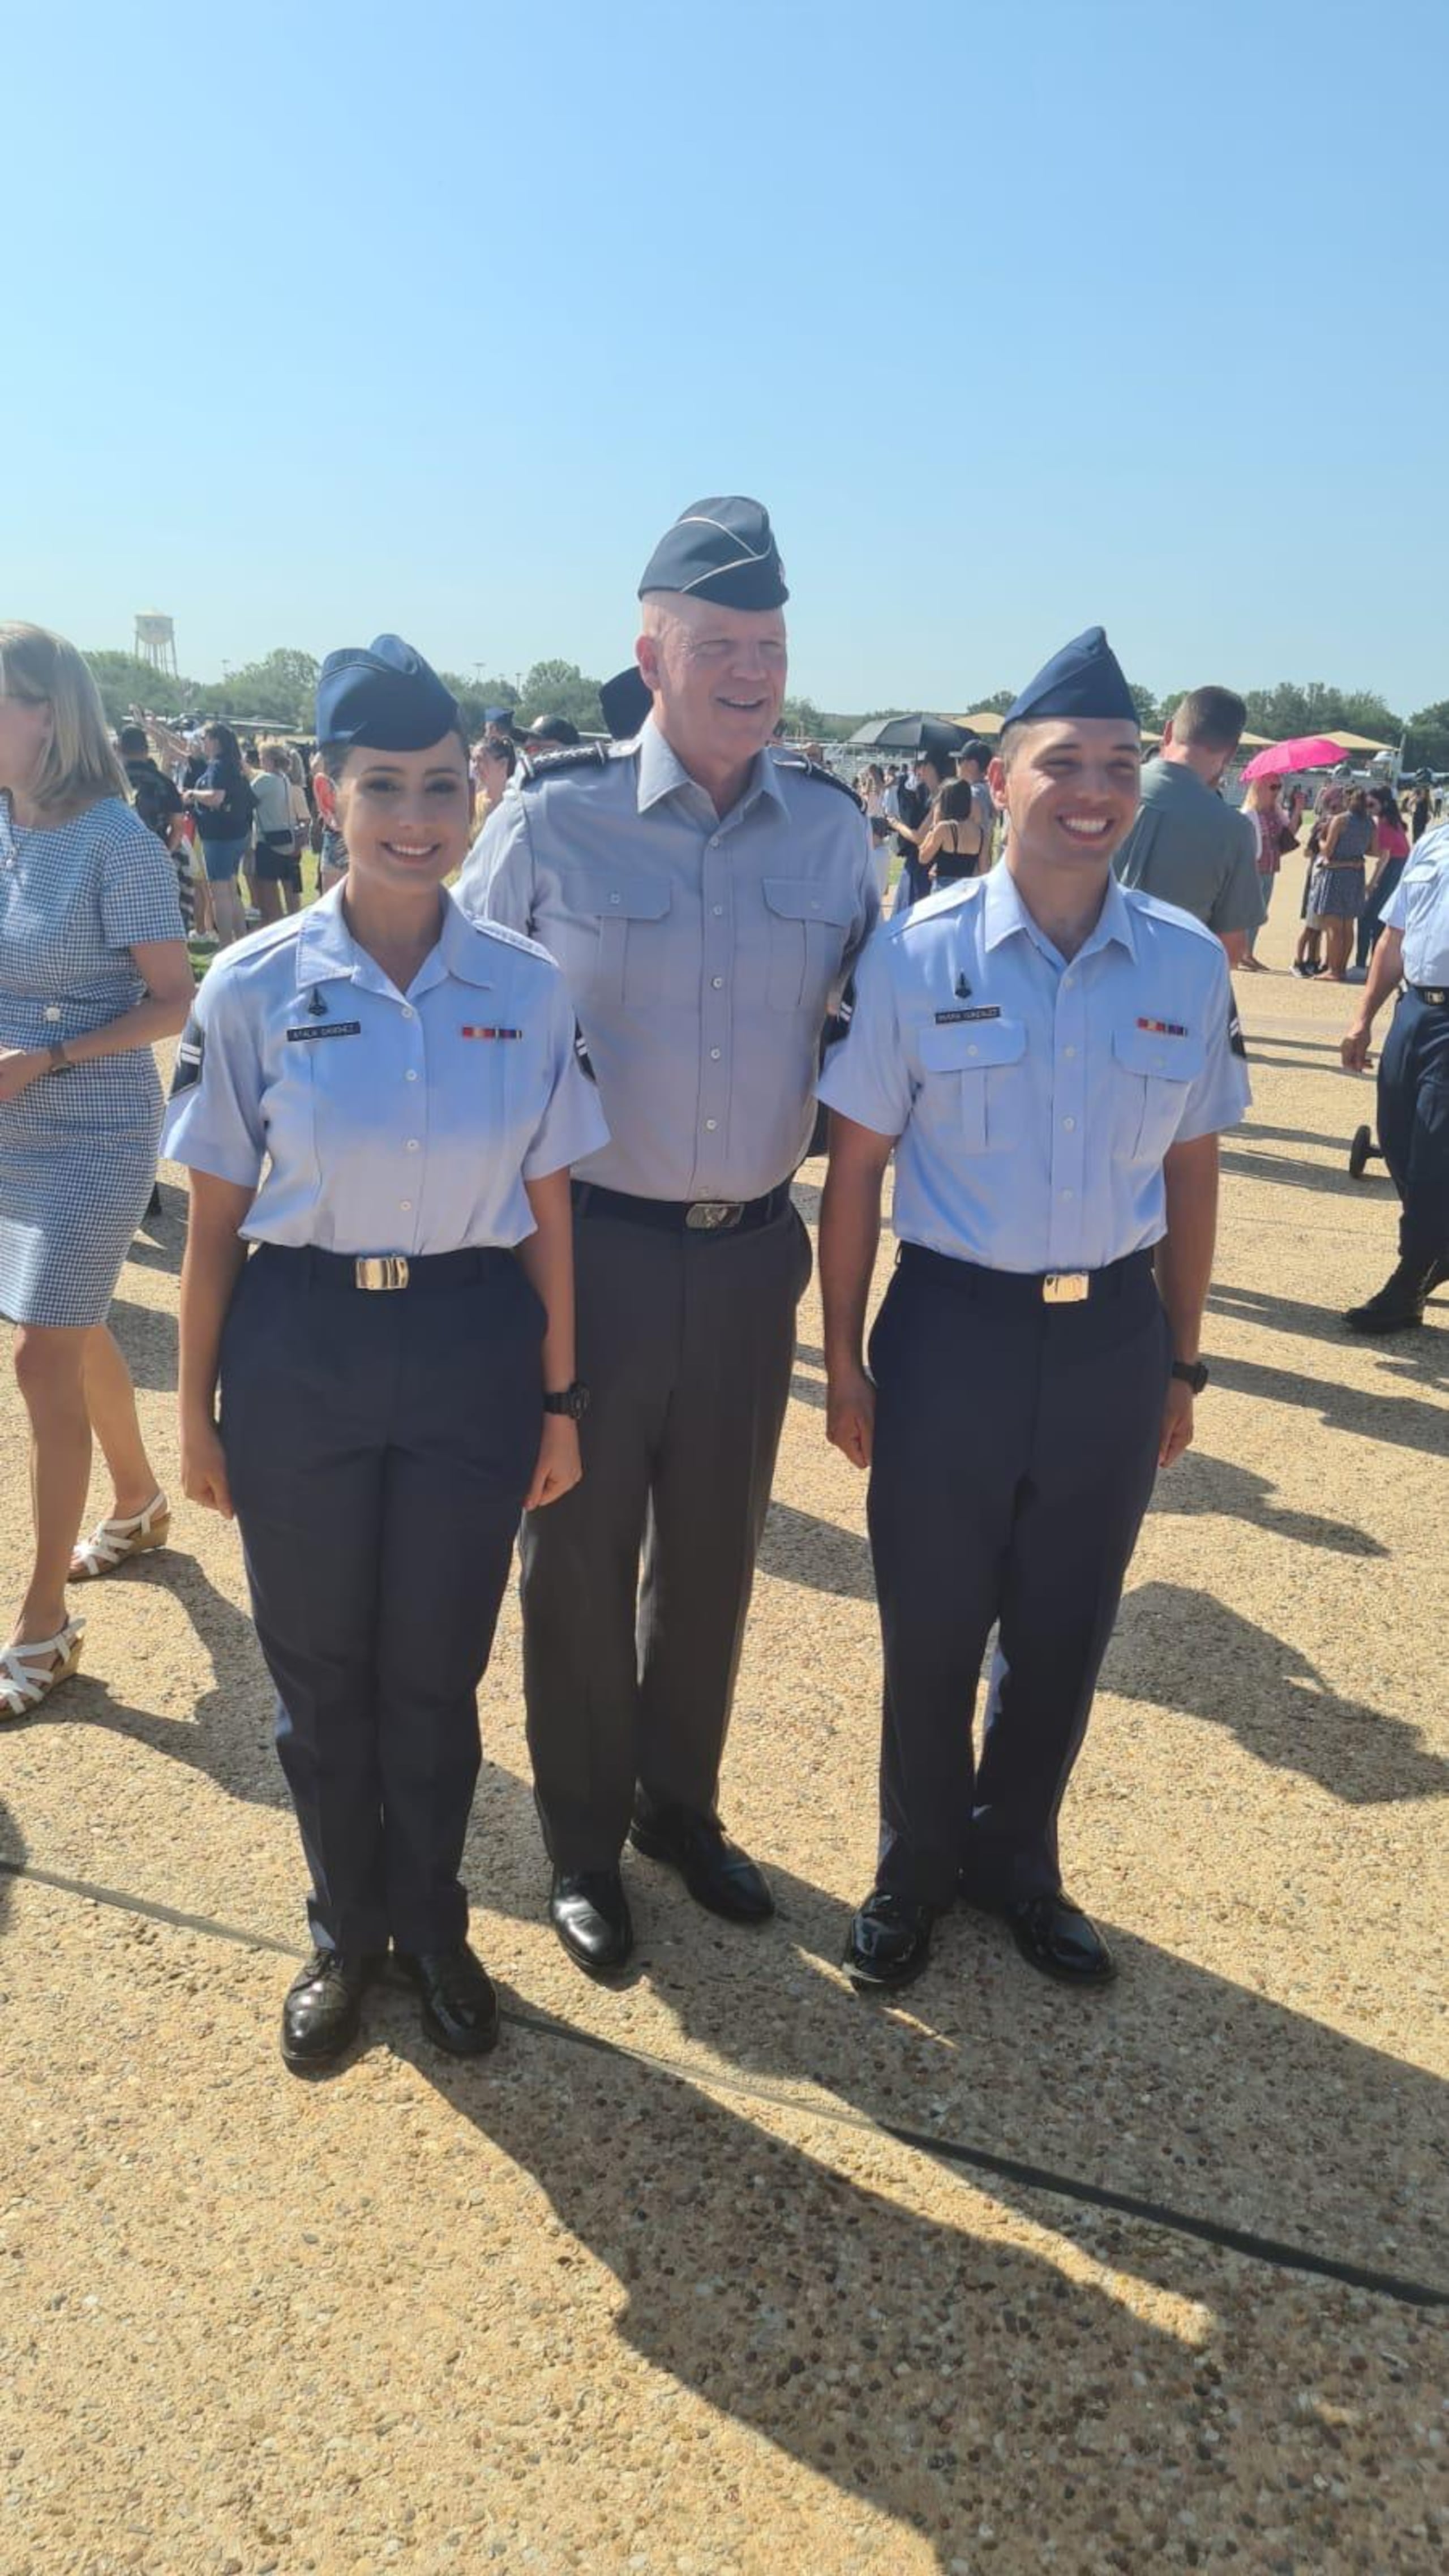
(912,733)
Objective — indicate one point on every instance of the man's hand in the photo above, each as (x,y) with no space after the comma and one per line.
(1354,1050)
(1176,1423)
(850,1415)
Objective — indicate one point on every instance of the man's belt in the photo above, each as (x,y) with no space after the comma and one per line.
(1438,994)
(683,1216)
(1024,1291)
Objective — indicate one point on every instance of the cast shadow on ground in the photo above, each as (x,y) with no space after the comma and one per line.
(147,1336)
(799,1547)
(1189,1651)
(1200,1483)
(12,1848)
(1321,1323)
(160,1241)
(910,2361)
(1401,1421)
(1287,1172)
(227,1735)
(1176,2083)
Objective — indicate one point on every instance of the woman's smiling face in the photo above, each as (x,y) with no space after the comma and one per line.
(406,816)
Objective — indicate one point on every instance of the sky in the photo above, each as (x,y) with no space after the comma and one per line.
(364,316)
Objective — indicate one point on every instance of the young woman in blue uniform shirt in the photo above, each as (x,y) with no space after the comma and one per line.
(379,1103)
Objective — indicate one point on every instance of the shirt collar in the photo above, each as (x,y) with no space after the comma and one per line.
(326,950)
(1003,912)
(661,772)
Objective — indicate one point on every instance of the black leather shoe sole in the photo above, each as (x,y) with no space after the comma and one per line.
(714,1894)
(475,2041)
(872,1978)
(600,1966)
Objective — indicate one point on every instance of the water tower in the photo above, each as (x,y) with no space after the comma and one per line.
(156,642)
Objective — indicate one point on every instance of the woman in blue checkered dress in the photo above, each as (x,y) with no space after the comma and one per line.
(93,969)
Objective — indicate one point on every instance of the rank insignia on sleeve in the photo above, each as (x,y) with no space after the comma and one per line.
(1235,1031)
(191,1047)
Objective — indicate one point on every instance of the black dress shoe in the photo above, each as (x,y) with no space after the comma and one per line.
(889,1940)
(1055,1935)
(1399,1304)
(716,1872)
(460,2008)
(323,2010)
(590,1913)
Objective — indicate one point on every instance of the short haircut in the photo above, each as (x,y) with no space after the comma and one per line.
(1210,719)
(78,765)
(131,742)
(275,756)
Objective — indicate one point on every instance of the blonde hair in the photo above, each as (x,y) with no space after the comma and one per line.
(78,765)
(1259,793)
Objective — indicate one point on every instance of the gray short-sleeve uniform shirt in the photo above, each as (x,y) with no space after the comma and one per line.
(702,952)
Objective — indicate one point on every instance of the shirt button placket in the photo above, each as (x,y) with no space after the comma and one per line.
(412,1111)
(1069,1219)
(717,921)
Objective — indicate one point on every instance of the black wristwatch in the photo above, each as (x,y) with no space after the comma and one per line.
(574,1401)
(1193,1373)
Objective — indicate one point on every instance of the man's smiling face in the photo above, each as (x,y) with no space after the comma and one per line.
(1070,787)
(718,676)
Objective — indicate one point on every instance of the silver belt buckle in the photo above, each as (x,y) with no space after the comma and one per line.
(381,1270)
(713,1216)
(1066,1287)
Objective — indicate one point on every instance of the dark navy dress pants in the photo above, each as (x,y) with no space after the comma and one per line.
(379,1446)
(1015,1452)
(1413,1107)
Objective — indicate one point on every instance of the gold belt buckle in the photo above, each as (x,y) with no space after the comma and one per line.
(1065,1287)
(711,1216)
(381,1270)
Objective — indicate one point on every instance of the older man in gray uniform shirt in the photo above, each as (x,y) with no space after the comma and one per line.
(705,900)
(1187,846)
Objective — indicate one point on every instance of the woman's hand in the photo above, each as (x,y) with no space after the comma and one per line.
(559,1464)
(203,1468)
(18,1069)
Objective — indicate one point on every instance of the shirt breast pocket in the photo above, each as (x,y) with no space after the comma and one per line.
(1151,1078)
(975,1083)
(807,926)
(615,936)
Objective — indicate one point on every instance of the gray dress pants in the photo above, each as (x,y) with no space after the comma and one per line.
(686,1342)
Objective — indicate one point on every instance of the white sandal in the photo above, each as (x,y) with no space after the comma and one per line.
(22,1684)
(112,1542)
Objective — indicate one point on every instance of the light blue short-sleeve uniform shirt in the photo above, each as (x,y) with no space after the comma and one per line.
(701,951)
(1419,907)
(1034,1096)
(377,1121)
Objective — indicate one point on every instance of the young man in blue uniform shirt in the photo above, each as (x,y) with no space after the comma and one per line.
(1050,1058)
(1413,1103)
(705,898)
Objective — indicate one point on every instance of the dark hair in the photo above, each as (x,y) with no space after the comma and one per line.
(1388,805)
(498,747)
(230,748)
(131,742)
(954,804)
(974,750)
(251,747)
(1210,719)
(935,756)
(334,756)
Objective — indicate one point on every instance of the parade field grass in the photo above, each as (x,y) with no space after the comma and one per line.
(727,2269)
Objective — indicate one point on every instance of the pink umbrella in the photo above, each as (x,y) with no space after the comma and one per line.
(1309,751)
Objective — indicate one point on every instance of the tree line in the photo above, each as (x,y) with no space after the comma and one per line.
(280,688)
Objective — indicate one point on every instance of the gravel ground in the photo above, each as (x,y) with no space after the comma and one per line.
(678,2303)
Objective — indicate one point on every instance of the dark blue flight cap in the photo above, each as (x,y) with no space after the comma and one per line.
(387,697)
(1084,679)
(626,701)
(724,550)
